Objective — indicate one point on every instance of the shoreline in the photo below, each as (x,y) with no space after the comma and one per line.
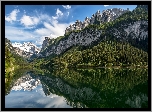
(115,67)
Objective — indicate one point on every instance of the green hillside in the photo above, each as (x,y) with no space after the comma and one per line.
(105,54)
(107,51)
(12,60)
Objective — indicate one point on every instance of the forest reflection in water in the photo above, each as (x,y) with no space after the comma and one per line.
(80,88)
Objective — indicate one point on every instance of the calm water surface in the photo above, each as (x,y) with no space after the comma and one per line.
(81,88)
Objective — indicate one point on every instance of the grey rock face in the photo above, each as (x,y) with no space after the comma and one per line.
(81,38)
(106,16)
(45,43)
(138,29)
(85,38)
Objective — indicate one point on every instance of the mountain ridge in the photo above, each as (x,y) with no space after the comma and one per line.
(128,31)
(26,49)
(130,27)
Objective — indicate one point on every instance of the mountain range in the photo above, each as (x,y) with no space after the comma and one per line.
(114,37)
(26,49)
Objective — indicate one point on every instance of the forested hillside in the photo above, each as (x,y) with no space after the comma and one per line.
(122,42)
(105,54)
(12,60)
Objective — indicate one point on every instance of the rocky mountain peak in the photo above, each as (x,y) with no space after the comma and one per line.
(131,30)
(26,49)
(45,43)
(106,16)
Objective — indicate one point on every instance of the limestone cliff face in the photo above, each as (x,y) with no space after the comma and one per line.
(83,38)
(135,33)
(138,29)
(127,31)
(106,16)
(45,43)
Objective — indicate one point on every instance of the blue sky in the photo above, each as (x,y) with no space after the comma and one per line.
(34,22)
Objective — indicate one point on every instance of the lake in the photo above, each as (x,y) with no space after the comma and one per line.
(78,88)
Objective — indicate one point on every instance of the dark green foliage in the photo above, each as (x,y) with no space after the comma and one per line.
(12,60)
(98,88)
(105,54)
(108,50)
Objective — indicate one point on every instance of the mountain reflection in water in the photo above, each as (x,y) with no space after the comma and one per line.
(81,88)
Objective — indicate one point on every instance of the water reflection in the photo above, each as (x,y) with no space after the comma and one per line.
(29,92)
(82,88)
(12,77)
(26,83)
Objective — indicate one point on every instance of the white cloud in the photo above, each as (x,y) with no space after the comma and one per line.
(56,28)
(58,14)
(42,31)
(66,6)
(12,16)
(68,13)
(28,21)
(55,102)
(35,20)
(106,5)
(19,34)
(51,28)
(54,17)
(35,100)
(14,33)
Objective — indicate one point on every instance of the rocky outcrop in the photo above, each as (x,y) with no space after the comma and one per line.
(82,38)
(9,44)
(106,16)
(138,29)
(111,14)
(45,43)
(132,31)
(136,33)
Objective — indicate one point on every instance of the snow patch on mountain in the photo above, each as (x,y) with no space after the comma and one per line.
(27,47)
